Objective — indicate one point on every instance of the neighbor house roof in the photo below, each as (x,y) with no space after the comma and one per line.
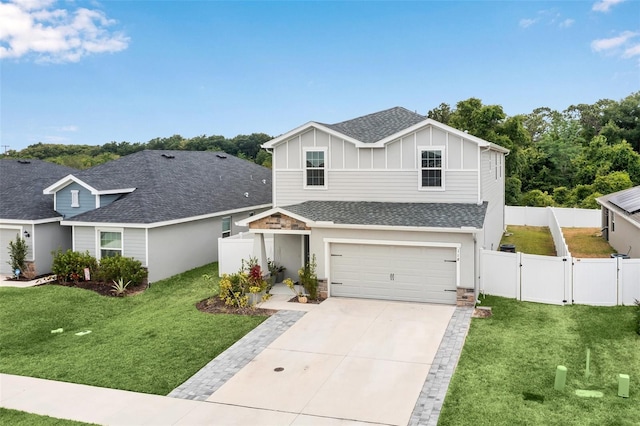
(173,185)
(21,183)
(379,125)
(626,203)
(430,215)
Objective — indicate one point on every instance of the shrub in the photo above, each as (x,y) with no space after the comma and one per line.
(70,265)
(114,268)
(119,287)
(309,278)
(18,255)
(235,289)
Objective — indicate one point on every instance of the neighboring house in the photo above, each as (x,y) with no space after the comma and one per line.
(25,211)
(164,208)
(621,220)
(393,205)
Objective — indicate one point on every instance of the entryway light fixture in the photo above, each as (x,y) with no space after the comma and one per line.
(26,234)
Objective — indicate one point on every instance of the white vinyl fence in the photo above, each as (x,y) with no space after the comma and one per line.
(560,280)
(232,250)
(566,217)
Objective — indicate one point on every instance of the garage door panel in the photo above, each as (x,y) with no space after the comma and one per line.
(408,273)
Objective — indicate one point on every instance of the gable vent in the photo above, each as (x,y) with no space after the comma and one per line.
(221,156)
(168,156)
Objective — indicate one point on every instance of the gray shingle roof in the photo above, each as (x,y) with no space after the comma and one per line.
(21,185)
(437,215)
(379,125)
(191,183)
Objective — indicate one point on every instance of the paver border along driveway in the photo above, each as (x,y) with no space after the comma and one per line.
(351,359)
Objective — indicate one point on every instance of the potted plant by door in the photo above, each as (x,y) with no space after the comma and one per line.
(302,298)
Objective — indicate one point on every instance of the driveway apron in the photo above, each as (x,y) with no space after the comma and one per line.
(349,359)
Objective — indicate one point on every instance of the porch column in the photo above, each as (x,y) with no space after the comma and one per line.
(260,249)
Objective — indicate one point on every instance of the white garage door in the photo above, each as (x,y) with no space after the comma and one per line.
(416,274)
(6,236)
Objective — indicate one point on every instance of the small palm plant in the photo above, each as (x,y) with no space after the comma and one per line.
(119,287)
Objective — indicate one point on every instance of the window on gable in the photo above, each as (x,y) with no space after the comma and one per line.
(226,227)
(315,168)
(110,243)
(75,198)
(431,170)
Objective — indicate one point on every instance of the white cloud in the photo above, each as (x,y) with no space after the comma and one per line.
(632,51)
(35,27)
(567,23)
(610,44)
(526,23)
(68,128)
(605,5)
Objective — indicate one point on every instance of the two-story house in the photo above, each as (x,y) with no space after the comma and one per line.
(166,209)
(393,205)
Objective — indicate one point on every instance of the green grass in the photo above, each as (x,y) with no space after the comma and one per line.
(587,242)
(20,418)
(530,239)
(151,342)
(516,352)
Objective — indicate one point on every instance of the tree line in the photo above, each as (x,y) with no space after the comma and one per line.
(558,158)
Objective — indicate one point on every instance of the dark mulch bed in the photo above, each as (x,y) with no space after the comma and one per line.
(213,305)
(102,288)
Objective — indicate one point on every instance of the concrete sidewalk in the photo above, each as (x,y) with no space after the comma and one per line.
(6,282)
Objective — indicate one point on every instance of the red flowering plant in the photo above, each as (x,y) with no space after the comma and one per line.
(243,288)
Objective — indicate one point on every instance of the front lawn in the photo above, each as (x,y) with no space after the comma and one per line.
(20,418)
(507,368)
(151,342)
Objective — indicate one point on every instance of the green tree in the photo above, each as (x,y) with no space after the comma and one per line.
(537,198)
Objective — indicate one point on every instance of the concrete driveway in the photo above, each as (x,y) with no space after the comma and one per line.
(348,359)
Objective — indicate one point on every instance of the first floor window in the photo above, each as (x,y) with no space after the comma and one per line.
(226,227)
(431,168)
(110,243)
(315,168)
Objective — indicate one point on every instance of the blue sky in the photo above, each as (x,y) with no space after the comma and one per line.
(93,72)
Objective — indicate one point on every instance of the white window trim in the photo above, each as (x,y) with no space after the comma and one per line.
(326,168)
(75,198)
(223,232)
(99,247)
(421,149)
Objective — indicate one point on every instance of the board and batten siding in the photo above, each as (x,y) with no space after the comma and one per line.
(87,201)
(390,173)
(492,190)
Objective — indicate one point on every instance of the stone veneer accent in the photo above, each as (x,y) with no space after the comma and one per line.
(323,288)
(279,221)
(466,297)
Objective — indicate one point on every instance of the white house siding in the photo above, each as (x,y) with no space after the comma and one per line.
(369,172)
(492,191)
(376,185)
(467,257)
(48,238)
(87,201)
(84,239)
(626,237)
(177,248)
(134,241)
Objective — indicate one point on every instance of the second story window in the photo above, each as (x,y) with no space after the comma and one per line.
(315,170)
(75,199)
(431,170)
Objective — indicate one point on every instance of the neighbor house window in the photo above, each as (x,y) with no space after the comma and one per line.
(315,168)
(75,200)
(431,170)
(110,243)
(613,222)
(226,227)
